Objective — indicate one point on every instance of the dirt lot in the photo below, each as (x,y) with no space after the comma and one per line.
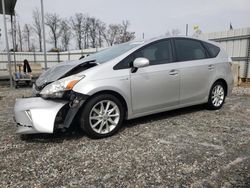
(190,147)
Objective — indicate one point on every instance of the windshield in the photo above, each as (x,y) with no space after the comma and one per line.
(112,52)
(61,69)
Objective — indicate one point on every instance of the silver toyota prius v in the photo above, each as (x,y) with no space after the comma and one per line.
(126,81)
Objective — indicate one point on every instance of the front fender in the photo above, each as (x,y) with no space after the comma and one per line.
(119,85)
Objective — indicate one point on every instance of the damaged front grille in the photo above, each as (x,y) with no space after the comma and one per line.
(60,117)
(67,114)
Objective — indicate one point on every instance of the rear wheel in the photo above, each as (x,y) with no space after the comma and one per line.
(102,116)
(217,96)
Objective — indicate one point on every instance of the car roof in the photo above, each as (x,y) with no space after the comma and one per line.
(143,43)
(179,36)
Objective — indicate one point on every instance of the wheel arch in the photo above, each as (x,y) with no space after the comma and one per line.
(223,81)
(114,93)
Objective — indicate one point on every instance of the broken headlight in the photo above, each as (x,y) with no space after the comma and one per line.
(58,88)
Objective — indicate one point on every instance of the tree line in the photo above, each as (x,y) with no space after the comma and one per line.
(84,30)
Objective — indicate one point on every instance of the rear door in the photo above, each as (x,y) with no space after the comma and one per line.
(197,70)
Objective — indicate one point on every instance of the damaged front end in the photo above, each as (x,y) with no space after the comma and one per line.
(54,104)
(67,113)
(38,115)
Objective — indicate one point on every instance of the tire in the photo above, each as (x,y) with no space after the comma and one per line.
(217,96)
(102,116)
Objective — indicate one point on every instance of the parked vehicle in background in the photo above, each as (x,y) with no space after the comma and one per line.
(126,81)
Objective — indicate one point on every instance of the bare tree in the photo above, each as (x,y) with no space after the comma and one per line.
(77,23)
(94,32)
(117,33)
(20,37)
(12,32)
(53,22)
(168,33)
(125,34)
(112,34)
(33,47)
(15,32)
(101,27)
(175,32)
(27,35)
(86,31)
(37,24)
(65,34)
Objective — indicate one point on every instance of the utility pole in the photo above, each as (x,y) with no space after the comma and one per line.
(186,29)
(44,38)
(13,39)
(7,43)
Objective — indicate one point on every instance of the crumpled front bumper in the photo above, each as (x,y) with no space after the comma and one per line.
(36,115)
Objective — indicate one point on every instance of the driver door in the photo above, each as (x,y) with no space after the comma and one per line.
(157,86)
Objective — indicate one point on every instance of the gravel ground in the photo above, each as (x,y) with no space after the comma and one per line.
(190,147)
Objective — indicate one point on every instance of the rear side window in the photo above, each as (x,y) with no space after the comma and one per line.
(187,50)
(212,49)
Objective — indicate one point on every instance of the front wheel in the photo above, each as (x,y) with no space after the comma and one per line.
(102,116)
(217,96)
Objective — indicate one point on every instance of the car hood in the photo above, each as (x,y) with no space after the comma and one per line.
(62,70)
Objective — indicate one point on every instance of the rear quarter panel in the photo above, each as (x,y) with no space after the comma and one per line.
(224,71)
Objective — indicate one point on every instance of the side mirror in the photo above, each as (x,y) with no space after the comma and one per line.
(140,62)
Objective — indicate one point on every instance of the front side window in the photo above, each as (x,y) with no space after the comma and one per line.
(157,53)
(188,50)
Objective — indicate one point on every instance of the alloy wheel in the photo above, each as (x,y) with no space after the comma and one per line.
(104,117)
(218,95)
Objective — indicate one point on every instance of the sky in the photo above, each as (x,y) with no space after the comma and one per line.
(152,17)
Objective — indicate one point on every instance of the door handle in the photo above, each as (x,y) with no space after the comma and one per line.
(211,67)
(173,72)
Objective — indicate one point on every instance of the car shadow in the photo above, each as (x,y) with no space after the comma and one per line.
(75,132)
(163,115)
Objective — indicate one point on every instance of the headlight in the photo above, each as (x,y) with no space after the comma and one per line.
(57,88)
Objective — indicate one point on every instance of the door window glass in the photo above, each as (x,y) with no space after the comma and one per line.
(189,50)
(212,49)
(157,53)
